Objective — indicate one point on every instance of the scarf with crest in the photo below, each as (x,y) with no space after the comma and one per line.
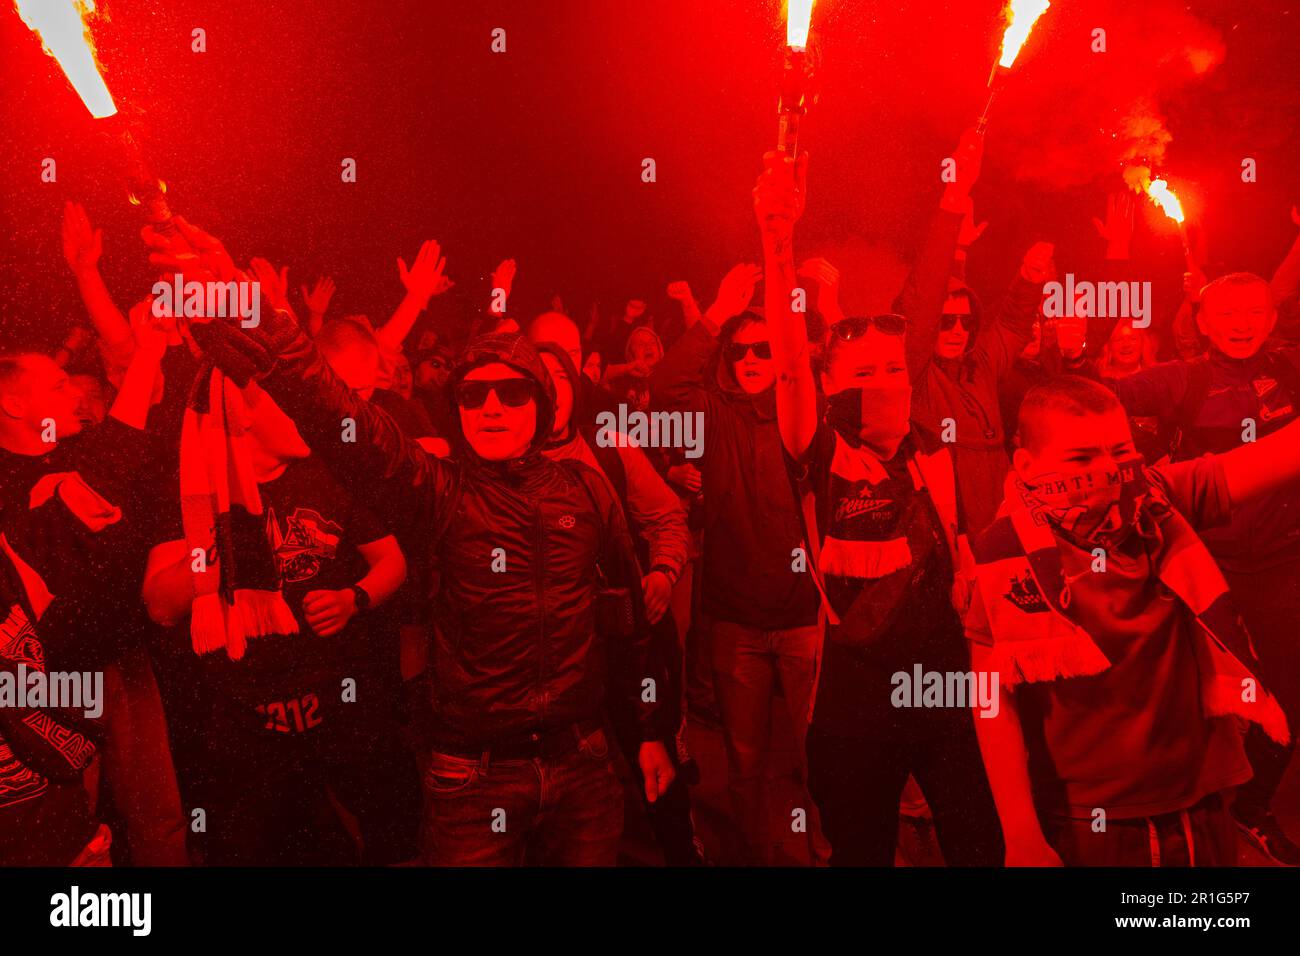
(1036,634)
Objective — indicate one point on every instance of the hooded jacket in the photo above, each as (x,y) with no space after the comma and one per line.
(516,652)
(751,519)
(655,516)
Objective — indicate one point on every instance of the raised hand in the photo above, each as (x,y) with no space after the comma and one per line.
(827,278)
(1117,230)
(82,245)
(150,332)
(969,157)
(1039,264)
(969,232)
(681,291)
(318,299)
(779,194)
(189,251)
(735,291)
(503,278)
(425,278)
(274,284)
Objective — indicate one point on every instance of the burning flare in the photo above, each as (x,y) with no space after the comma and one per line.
(798,16)
(62,27)
(1021,16)
(1164,197)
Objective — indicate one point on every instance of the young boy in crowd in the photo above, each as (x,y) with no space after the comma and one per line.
(1121,659)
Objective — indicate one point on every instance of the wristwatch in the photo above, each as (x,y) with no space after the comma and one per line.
(667,572)
(363,599)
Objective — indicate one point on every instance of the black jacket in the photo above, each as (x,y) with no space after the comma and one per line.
(516,651)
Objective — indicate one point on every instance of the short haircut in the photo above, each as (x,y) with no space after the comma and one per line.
(13,366)
(1235,280)
(338,335)
(1065,395)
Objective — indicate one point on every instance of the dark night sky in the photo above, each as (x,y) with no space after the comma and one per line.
(535,154)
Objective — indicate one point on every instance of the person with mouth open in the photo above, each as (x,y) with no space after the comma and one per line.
(1243,390)
(540,620)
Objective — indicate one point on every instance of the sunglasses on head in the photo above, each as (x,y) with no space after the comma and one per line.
(950,319)
(891,323)
(511,392)
(736,351)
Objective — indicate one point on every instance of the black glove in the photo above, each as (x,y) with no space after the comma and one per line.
(247,353)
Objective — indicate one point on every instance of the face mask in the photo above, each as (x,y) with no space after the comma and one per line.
(877,416)
(1093,508)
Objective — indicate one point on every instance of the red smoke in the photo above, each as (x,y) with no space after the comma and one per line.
(1071,115)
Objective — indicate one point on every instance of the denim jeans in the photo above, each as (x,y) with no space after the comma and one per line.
(746,664)
(137,763)
(548,811)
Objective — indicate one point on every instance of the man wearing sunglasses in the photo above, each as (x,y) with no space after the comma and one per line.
(520,672)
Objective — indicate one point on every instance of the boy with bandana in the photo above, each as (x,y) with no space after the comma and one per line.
(1124,670)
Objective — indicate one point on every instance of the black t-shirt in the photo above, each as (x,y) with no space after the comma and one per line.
(314,528)
(97,610)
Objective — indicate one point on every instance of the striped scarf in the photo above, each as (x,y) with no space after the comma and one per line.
(1037,638)
(849,552)
(236,586)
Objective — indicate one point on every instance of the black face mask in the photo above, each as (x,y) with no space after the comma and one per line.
(878,417)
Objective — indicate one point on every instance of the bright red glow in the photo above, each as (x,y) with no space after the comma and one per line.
(1164,197)
(1021,16)
(65,34)
(798,17)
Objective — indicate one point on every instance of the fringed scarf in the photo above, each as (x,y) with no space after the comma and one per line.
(1036,638)
(236,588)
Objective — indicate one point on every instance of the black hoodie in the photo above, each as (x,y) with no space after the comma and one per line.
(751,521)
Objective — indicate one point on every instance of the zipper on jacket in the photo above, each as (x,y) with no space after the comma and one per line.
(539,578)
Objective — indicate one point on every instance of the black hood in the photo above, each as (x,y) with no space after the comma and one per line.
(575,381)
(512,349)
(724,379)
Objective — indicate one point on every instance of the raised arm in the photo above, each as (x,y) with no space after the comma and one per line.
(360,443)
(82,246)
(423,281)
(1258,467)
(778,204)
(1287,277)
(1001,341)
(678,381)
(926,287)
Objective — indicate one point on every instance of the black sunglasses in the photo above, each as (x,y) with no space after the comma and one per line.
(511,392)
(891,323)
(736,351)
(950,319)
